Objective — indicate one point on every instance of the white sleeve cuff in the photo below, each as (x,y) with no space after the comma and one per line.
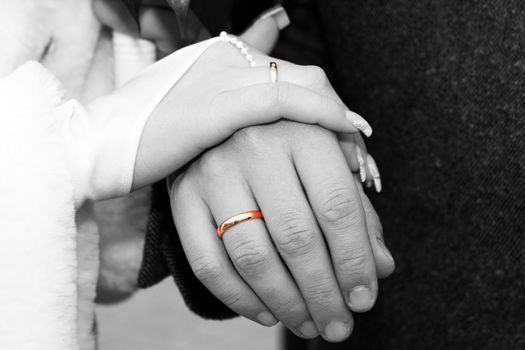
(102,140)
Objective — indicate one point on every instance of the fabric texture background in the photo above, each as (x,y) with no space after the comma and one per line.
(443,85)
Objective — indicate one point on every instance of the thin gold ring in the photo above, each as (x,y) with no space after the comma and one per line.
(237,219)
(273,72)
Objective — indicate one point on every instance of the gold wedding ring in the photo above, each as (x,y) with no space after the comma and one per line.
(273,72)
(237,219)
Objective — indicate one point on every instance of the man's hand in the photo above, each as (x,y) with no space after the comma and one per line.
(317,254)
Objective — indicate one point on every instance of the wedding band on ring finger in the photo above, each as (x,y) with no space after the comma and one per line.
(237,219)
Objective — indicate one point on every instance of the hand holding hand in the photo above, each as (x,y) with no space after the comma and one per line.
(219,95)
(169,114)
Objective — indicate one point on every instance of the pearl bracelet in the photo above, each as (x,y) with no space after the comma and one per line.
(238,44)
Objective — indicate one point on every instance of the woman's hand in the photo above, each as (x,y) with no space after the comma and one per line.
(221,94)
(184,104)
(321,237)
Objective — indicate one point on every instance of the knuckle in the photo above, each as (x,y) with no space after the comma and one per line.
(212,166)
(233,299)
(247,136)
(251,141)
(356,262)
(295,237)
(289,307)
(251,257)
(206,269)
(322,295)
(338,205)
(211,160)
(316,76)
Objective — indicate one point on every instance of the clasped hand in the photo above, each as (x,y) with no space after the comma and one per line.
(319,252)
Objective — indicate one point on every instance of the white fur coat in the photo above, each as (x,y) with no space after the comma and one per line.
(49,255)
(41,294)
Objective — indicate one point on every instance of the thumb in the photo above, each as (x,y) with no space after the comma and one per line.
(264,32)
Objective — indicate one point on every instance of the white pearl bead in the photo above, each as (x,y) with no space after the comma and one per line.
(240,45)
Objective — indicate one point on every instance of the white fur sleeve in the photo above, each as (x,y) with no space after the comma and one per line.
(38,292)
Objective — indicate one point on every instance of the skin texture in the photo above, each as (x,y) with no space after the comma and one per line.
(321,237)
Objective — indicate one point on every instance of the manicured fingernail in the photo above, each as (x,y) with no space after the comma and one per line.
(360,299)
(372,167)
(359,122)
(267,319)
(309,330)
(336,331)
(279,15)
(361,161)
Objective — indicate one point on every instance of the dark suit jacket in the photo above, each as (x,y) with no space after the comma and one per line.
(443,84)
